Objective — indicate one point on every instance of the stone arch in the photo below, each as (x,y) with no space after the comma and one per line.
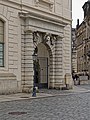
(45,55)
(48,40)
(51,66)
(49,48)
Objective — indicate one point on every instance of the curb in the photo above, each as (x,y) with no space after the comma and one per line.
(41,97)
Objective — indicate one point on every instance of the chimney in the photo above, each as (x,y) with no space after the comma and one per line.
(77,23)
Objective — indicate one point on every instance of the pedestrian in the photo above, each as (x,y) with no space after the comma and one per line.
(74,79)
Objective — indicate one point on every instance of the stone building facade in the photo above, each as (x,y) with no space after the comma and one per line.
(81,45)
(74,51)
(29,25)
(83,41)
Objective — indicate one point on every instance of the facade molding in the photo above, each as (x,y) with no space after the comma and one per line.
(34,27)
(25,8)
(43,18)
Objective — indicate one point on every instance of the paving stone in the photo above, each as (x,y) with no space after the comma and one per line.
(64,107)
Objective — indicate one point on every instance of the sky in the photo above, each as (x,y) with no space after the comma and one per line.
(77,11)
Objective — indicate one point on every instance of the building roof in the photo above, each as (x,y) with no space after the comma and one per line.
(86,3)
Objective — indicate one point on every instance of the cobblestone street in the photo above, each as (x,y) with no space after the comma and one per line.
(75,106)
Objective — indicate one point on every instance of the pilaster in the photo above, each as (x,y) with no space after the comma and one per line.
(59,80)
(27,62)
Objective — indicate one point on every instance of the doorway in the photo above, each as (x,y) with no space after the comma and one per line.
(42,70)
(43,79)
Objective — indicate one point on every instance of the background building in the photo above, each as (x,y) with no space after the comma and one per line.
(83,40)
(41,26)
(74,51)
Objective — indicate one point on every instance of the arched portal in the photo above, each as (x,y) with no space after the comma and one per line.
(42,69)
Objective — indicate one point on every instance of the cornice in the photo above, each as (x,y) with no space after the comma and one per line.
(42,18)
(52,15)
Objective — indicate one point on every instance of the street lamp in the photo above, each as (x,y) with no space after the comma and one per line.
(34,56)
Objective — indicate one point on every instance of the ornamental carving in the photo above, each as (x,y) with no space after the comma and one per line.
(47,37)
(50,38)
(53,39)
(44,38)
(44,3)
(36,38)
(37,2)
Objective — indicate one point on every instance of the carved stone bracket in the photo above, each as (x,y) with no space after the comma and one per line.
(36,38)
(53,39)
(44,38)
(50,38)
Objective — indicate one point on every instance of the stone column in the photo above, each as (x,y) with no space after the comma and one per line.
(27,61)
(59,81)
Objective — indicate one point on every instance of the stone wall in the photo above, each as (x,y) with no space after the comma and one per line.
(12,48)
(24,17)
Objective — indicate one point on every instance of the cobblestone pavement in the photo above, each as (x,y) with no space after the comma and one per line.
(65,107)
(78,88)
(54,91)
(84,86)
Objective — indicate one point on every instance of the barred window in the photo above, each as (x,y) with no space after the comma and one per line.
(1,43)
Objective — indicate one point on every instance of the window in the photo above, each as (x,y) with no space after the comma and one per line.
(1,43)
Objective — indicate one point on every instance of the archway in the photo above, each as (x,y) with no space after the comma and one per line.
(42,70)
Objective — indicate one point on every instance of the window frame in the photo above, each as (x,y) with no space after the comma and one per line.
(2,43)
(6,44)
